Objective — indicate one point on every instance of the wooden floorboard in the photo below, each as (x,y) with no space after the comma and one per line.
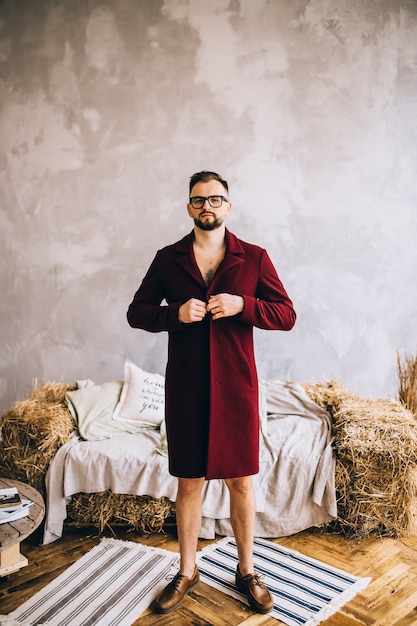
(389,600)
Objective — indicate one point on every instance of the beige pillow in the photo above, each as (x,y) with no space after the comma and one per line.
(93,407)
(142,399)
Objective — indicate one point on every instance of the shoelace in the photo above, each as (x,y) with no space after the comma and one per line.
(174,581)
(256,579)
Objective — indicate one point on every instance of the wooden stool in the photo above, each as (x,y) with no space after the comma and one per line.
(11,534)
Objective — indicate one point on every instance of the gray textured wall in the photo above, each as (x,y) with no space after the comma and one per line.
(107,107)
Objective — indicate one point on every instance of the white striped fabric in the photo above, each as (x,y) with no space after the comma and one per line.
(111,585)
(305,591)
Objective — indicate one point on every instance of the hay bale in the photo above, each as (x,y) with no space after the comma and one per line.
(375,445)
(327,394)
(32,432)
(143,513)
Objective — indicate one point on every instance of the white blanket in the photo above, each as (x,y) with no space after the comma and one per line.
(294,489)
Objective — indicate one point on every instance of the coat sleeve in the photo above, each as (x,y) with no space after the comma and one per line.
(146,310)
(271,308)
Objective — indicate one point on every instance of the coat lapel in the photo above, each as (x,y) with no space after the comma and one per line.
(184,256)
(235,254)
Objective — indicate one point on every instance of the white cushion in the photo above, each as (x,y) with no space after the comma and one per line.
(142,399)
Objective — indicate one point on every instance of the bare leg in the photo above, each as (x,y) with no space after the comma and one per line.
(188,514)
(242,517)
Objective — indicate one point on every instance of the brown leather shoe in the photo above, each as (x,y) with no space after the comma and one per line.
(256,591)
(174,593)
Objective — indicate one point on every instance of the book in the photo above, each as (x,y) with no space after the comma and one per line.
(18,512)
(9,498)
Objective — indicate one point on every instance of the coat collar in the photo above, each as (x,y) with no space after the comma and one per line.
(184,255)
(233,244)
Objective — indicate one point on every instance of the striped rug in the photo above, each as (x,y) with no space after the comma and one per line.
(111,585)
(305,591)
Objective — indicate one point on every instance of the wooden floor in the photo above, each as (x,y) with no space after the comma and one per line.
(389,600)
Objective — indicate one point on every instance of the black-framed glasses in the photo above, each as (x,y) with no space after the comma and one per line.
(197,202)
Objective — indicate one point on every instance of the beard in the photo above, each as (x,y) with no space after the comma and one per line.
(213,224)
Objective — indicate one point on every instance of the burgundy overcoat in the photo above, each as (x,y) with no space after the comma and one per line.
(211,406)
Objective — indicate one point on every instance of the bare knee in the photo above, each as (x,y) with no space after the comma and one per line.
(189,487)
(240,486)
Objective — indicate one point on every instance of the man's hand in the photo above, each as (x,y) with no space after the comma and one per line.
(225,305)
(192,311)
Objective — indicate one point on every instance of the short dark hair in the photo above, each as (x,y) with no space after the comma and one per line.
(205,177)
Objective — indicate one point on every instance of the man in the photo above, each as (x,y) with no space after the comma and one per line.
(216,288)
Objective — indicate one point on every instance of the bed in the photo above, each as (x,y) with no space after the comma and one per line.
(98,453)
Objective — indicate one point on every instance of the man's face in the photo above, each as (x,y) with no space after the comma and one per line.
(207,217)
